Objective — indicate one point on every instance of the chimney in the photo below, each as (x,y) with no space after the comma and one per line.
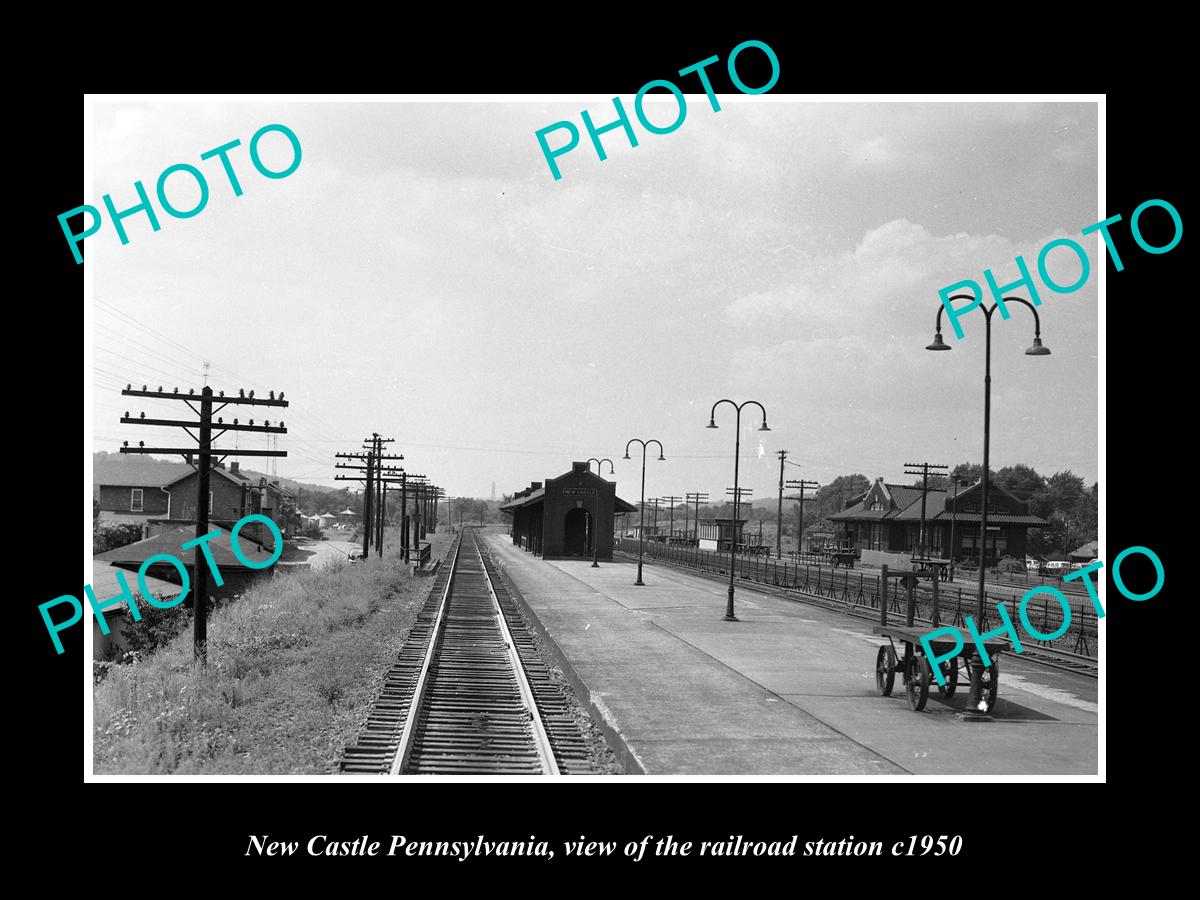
(233,468)
(535,485)
(579,467)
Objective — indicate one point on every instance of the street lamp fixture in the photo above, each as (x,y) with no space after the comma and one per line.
(642,504)
(737,452)
(596,521)
(1037,349)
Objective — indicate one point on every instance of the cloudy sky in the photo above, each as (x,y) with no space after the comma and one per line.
(422,274)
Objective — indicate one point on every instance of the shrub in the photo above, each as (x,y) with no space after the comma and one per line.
(110,535)
(1008,564)
(157,628)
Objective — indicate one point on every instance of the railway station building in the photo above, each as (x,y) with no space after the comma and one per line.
(568,516)
(887,519)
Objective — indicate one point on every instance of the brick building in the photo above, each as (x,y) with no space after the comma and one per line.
(887,518)
(566,515)
(161,495)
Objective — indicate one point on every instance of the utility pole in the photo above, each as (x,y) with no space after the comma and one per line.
(779,514)
(369,512)
(404,514)
(696,497)
(394,476)
(417,484)
(372,479)
(204,452)
(671,501)
(922,469)
(953,515)
(378,511)
(365,493)
(803,484)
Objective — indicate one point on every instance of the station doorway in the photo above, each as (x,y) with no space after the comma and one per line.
(578,533)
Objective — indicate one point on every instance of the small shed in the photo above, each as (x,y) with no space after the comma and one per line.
(715,534)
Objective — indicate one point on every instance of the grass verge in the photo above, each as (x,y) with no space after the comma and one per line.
(294,666)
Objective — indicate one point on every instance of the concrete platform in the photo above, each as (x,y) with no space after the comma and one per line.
(788,690)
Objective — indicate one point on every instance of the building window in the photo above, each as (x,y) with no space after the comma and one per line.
(135,500)
(210,498)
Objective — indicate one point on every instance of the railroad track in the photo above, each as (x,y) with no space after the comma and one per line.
(484,701)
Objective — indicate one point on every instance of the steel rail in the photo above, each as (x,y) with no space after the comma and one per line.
(541,739)
(405,748)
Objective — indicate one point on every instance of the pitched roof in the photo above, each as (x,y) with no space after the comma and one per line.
(537,496)
(105,584)
(126,472)
(171,542)
(908,507)
(906,497)
(527,500)
(239,479)
(132,472)
(935,503)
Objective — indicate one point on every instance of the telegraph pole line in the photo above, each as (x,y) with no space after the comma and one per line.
(382,486)
(369,512)
(377,507)
(671,501)
(922,469)
(779,513)
(652,503)
(696,497)
(204,452)
(373,500)
(415,486)
(804,485)
(368,521)
(394,476)
(404,514)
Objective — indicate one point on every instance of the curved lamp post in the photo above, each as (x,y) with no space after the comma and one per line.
(1035,350)
(712,423)
(595,543)
(642,526)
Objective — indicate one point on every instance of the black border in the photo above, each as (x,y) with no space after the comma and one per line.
(1143,402)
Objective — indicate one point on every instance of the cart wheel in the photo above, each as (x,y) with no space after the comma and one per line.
(989,682)
(885,670)
(950,673)
(916,682)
